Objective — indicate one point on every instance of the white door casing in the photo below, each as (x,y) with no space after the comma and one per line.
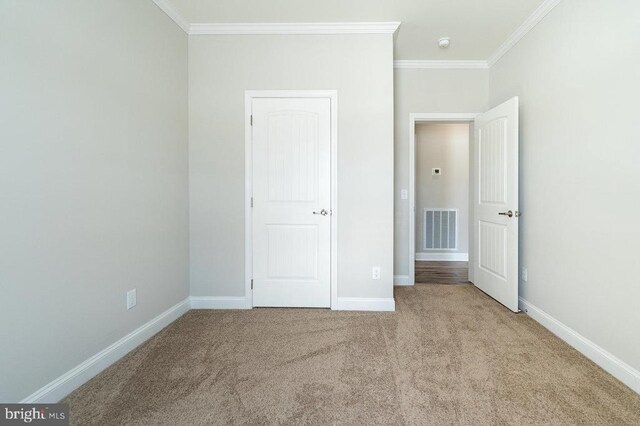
(291,184)
(415,118)
(495,261)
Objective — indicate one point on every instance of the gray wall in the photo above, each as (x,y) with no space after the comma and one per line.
(93,180)
(443,145)
(427,90)
(577,75)
(359,67)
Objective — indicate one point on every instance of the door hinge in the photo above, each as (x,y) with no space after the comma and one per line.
(251,283)
(251,119)
(251,201)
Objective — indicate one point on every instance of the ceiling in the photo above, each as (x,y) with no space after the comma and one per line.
(476,27)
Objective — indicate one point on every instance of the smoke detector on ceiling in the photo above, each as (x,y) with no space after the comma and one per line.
(444,42)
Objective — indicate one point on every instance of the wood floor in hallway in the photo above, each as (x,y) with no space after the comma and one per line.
(442,273)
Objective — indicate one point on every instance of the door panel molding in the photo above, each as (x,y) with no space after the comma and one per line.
(250,95)
(495,198)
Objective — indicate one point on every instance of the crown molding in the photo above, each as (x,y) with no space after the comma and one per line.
(295,28)
(172,13)
(312,28)
(523,29)
(275,28)
(447,65)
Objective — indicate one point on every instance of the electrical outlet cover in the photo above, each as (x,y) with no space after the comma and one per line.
(131,298)
(375,273)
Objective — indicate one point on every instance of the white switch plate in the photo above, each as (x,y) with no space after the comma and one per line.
(131,298)
(375,273)
(404,194)
(437,171)
(524,274)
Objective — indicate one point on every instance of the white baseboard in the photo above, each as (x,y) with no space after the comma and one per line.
(443,257)
(400,280)
(610,363)
(77,376)
(215,302)
(366,304)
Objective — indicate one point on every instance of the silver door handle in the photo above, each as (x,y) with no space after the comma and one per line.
(507,213)
(323,212)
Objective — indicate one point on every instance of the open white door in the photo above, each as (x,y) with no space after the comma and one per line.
(291,202)
(495,223)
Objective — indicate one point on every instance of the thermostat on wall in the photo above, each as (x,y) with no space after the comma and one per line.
(436,171)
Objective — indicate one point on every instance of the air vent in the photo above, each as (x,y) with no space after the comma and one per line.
(440,229)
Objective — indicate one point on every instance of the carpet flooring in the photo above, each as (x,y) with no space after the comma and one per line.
(448,355)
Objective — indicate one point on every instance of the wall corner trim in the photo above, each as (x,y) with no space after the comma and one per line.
(219,302)
(366,304)
(609,362)
(291,28)
(447,65)
(533,20)
(57,389)
(172,13)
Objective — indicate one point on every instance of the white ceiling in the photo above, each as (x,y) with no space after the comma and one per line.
(476,27)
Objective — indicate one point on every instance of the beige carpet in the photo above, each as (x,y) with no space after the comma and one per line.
(449,355)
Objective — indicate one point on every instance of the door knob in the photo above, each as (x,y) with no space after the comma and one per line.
(323,212)
(507,213)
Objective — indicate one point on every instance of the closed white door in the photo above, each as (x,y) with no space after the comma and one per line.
(496,203)
(291,144)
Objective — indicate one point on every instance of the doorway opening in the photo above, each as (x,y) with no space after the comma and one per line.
(442,202)
(440,240)
(493,199)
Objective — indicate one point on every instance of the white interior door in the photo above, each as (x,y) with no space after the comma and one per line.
(291,144)
(495,224)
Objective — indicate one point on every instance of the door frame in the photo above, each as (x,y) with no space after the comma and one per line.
(415,118)
(249,95)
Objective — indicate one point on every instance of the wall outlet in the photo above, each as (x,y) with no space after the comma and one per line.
(436,171)
(131,298)
(404,194)
(524,274)
(375,273)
